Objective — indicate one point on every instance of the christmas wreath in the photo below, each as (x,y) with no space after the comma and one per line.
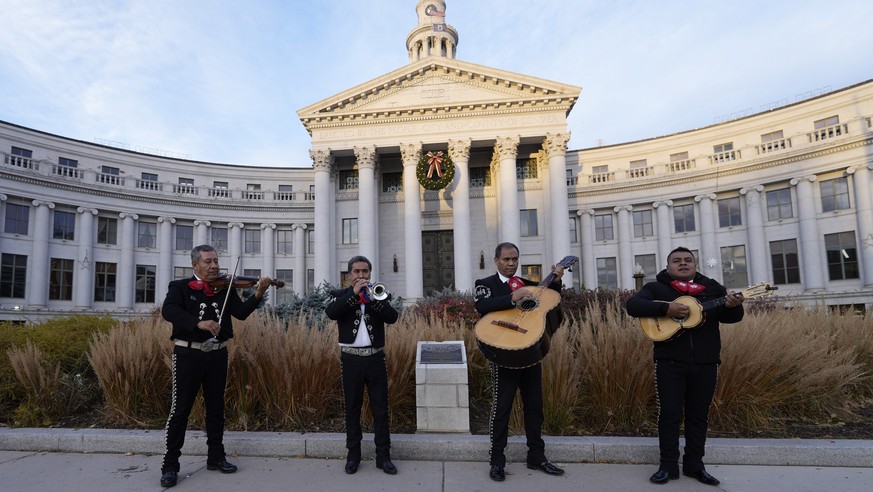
(435,170)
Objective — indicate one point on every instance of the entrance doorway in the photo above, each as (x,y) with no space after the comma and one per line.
(438,255)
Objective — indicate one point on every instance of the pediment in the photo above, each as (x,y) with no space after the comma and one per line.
(439,85)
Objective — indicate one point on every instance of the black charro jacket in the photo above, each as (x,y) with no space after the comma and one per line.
(701,344)
(345,310)
(184,307)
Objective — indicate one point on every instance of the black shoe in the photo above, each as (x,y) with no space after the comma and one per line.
(497,473)
(169,478)
(547,467)
(387,467)
(222,466)
(663,476)
(702,476)
(352,466)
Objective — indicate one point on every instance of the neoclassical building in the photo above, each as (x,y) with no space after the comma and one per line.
(782,196)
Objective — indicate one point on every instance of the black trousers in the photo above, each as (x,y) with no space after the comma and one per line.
(505,382)
(358,372)
(194,369)
(683,388)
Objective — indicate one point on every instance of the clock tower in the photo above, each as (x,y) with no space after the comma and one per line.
(432,36)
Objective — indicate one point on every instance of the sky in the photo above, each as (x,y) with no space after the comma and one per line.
(222,80)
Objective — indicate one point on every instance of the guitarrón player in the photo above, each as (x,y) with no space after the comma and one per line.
(686,366)
(497,293)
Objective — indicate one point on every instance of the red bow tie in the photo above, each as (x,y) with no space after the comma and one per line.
(201,285)
(687,287)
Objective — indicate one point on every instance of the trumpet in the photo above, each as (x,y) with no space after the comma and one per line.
(378,291)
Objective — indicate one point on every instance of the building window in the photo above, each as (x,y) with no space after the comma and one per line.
(219,189)
(572,179)
(285,192)
(218,238)
(350,231)
(252,241)
(184,237)
(392,182)
(67,167)
(779,204)
(65,225)
(104,282)
(148,181)
(13,275)
(826,122)
(147,235)
(603,228)
(310,280)
(20,158)
(286,294)
(17,219)
(284,242)
(310,244)
(109,175)
(252,272)
(182,272)
(842,255)
(835,194)
(107,230)
(253,192)
(480,177)
(146,278)
(733,266)
(574,233)
(723,153)
(786,263)
(532,272)
(639,164)
(607,273)
(729,212)
(348,180)
(186,186)
(529,223)
(525,169)
(643,223)
(61,280)
(649,266)
(683,218)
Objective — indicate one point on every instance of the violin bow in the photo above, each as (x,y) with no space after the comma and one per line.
(229,286)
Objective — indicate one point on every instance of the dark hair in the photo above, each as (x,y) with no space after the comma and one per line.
(500,247)
(681,249)
(195,253)
(358,259)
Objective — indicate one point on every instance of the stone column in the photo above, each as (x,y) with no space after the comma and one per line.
(459,151)
(811,255)
(40,261)
(268,243)
(757,254)
(125,280)
(509,226)
(586,238)
(299,278)
(710,258)
(235,248)
(322,161)
(863,182)
(84,274)
(625,253)
(665,243)
(164,274)
(413,267)
(555,146)
(201,234)
(366,160)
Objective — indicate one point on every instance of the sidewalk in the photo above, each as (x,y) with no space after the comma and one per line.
(113,460)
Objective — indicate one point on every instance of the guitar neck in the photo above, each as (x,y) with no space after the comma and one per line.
(714,303)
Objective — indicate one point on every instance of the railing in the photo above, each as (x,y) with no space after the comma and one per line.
(683,165)
(773,146)
(66,171)
(185,189)
(145,184)
(284,196)
(572,180)
(309,196)
(639,172)
(828,132)
(722,157)
(18,161)
(254,195)
(601,178)
(218,192)
(112,179)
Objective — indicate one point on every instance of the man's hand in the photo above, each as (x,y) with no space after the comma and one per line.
(263,284)
(558,271)
(209,325)
(734,299)
(360,284)
(678,310)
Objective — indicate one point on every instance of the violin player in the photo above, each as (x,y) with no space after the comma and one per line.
(201,331)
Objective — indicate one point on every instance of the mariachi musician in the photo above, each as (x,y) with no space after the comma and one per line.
(497,293)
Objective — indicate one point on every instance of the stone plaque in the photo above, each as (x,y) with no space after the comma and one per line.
(442,353)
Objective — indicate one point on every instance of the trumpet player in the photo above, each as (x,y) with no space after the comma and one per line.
(361,316)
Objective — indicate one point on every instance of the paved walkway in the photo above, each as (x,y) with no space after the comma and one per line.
(122,460)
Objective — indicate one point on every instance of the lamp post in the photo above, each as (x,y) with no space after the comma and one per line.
(639,275)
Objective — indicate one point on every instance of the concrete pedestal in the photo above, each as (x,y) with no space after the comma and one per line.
(442,396)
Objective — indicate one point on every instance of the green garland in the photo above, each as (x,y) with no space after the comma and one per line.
(435,182)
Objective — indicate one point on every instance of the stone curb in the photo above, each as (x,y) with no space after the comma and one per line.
(445,447)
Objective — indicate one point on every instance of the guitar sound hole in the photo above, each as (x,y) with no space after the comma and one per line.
(528,303)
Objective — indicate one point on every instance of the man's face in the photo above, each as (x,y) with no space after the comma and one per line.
(206,267)
(681,266)
(360,270)
(507,262)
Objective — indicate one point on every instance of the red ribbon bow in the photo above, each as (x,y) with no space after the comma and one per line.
(435,161)
(363,298)
(687,287)
(201,285)
(515,283)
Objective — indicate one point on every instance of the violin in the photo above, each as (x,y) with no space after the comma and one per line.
(241,282)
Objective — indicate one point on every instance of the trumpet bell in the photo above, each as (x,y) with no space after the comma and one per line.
(379,292)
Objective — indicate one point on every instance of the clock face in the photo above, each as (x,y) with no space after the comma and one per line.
(431,10)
